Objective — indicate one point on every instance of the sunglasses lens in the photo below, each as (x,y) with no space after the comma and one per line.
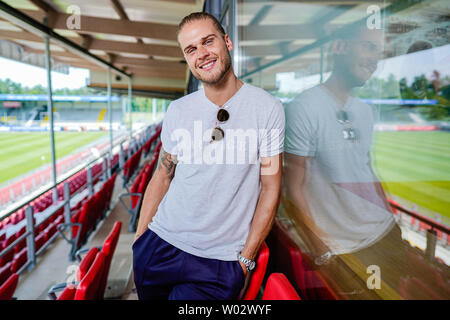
(349,134)
(223,115)
(342,116)
(217,134)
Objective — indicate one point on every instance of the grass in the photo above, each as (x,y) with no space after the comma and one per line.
(412,165)
(415,166)
(21,152)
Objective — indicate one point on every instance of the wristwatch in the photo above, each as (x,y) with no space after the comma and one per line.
(323,259)
(249,264)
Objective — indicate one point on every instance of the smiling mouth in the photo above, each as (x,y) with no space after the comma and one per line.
(208,66)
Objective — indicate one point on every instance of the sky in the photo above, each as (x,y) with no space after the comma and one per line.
(30,76)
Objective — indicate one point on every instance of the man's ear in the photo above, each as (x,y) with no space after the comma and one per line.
(228,42)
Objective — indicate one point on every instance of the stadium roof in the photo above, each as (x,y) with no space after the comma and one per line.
(135,36)
(138,37)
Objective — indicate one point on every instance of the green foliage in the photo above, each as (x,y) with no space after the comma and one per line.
(421,88)
(11,87)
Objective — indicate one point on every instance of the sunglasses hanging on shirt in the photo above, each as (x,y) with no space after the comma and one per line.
(218,133)
(348,132)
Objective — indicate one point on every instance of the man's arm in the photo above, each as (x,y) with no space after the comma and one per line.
(156,189)
(297,205)
(378,186)
(266,207)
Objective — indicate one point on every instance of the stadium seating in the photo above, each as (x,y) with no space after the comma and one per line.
(19,260)
(109,247)
(415,289)
(137,192)
(84,220)
(257,276)
(295,264)
(92,275)
(131,165)
(278,287)
(86,263)
(7,289)
(5,272)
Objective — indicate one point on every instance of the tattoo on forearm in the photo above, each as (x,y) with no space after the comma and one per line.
(168,162)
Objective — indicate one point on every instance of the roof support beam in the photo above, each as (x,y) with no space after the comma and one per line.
(90,24)
(19,18)
(105,45)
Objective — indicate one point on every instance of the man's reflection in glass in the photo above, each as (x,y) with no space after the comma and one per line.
(331,192)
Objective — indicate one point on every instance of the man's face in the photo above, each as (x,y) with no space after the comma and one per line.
(361,56)
(206,51)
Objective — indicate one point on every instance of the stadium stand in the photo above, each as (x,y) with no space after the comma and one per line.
(295,264)
(92,274)
(7,288)
(90,193)
(137,191)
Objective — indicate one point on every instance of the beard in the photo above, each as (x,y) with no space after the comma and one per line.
(355,73)
(216,76)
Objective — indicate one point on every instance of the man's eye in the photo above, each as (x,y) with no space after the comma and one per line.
(191,50)
(209,41)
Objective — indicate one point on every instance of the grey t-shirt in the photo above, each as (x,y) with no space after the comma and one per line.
(339,187)
(211,200)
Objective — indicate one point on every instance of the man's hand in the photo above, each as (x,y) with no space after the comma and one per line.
(244,268)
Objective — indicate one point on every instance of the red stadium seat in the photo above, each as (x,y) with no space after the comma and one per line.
(10,255)
(86,263)
(68,293)
(278,287)
(39,241)
(89,285)
(5,272)
(258,274)
(19,260)
(7,289)
(109,246)
(296,265)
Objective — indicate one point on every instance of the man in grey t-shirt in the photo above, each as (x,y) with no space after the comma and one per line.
(213,197)
(331,192)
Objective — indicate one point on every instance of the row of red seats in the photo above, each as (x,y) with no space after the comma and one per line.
(296,265)
(17,257)
(92,211)
(142,180)
(152,139)
(423,226)
(8,287)
(428,280)
(93,271)
(132,164)
(277,286)
(40,204)
(138,189)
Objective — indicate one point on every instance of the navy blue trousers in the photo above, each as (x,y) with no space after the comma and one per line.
(162,271)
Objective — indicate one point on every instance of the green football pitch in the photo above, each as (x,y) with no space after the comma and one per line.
(415,166)
(412,165)
(21,152)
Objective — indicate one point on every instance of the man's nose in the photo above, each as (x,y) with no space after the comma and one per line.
(202,52)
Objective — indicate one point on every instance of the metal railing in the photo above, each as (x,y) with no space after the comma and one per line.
(431,233)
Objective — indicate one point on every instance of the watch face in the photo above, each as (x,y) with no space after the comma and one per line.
(252,265)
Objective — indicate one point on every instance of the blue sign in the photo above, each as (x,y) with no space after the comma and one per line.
(43,97)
